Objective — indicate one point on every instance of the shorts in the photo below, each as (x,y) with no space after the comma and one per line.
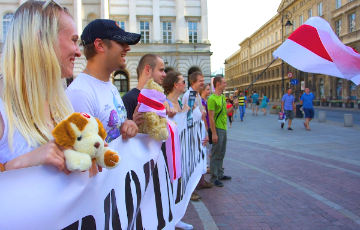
(289,114)
(309,113)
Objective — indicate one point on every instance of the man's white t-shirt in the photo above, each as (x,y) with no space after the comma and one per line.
(99,99)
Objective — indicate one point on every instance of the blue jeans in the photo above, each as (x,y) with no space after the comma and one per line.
(242,111)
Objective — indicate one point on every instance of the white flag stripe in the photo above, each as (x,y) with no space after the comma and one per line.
(305,60)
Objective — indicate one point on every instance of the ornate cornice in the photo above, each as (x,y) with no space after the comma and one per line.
(284,4)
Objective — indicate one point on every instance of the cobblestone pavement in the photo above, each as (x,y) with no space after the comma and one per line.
(285,179)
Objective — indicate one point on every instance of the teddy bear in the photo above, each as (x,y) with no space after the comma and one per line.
(83,137)
(151,99)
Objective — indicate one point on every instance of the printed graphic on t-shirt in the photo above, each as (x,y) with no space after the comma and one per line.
(116,118)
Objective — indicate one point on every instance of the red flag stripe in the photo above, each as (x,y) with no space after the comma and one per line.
(308,37)
(150,102)
(173,149)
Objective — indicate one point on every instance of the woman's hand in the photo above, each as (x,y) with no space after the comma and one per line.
(47,154)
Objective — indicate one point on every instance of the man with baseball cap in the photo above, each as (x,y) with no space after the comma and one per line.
(105,47)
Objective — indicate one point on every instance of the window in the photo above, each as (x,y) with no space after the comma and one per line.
(301,20)
(338,27)
(167,32)
(309,13)
(121,24)
(145,32)
(193,36)
(320,9)
(351,22)
(338,4)
(6,23)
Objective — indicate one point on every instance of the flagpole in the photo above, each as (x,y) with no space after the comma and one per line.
(257,78)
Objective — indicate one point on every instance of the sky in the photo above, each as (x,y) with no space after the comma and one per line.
(231,21)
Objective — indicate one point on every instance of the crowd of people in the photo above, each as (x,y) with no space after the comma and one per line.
(237,104)
(40,54)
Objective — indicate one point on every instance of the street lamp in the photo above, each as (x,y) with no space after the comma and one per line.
(286,15)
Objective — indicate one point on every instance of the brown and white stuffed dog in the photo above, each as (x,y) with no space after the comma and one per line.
(83,138)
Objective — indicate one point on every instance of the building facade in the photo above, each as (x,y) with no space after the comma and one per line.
(177,30)
(246,69)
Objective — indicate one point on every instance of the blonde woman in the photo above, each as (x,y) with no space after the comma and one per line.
(39,51)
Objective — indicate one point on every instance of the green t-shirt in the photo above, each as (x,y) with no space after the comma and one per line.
(215,103)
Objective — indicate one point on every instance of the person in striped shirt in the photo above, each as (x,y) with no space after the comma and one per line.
(242,105)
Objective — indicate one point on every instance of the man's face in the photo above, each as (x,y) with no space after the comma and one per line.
(221,85)
(199,84)
(307,90)
(289,91)
(68,47)
(116,55)
(158,73)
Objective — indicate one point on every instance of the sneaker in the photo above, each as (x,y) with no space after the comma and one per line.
(183,225)
(282,125)
(225,178)
(195,196)
(218,183)
(290,128)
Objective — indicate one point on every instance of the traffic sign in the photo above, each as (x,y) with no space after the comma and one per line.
(293,81)
(290,75)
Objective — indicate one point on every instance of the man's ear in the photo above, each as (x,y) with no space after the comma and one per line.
(147,69)
(99,45)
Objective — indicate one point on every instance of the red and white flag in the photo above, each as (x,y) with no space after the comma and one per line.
(315,48)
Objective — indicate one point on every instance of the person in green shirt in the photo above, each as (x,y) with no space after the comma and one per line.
(218,125)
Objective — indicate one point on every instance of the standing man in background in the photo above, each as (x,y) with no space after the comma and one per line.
(218,124)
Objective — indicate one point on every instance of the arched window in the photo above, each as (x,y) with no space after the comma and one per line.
(121,81)
(6,24)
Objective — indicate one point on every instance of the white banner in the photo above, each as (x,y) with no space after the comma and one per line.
(138,194)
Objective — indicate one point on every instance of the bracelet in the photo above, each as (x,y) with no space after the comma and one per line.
(2,168)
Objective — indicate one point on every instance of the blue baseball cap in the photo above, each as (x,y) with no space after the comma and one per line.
(107,29)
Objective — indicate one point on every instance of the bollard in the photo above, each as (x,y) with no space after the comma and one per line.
(348,120)
(322,116)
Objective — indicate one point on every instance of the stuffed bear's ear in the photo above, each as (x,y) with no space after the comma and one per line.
(102,131)
(64,135)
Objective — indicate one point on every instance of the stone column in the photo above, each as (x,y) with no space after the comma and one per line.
(132,16)
(180,36)
(77,15)
(156,21)
(105,9)
(204,22)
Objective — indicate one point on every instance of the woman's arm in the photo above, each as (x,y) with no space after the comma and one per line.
(47,154)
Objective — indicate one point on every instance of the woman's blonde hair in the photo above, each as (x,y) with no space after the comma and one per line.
(32,72)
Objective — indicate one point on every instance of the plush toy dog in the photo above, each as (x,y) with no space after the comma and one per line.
(83,138)
(151,101)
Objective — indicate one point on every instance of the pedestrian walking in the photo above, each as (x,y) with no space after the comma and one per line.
(218,125)
(306,101)
(230,110)
(255,103)
(242,105)
(264,104)
(236,107)
(288,107)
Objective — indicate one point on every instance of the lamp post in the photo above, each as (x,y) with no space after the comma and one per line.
(286,15)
